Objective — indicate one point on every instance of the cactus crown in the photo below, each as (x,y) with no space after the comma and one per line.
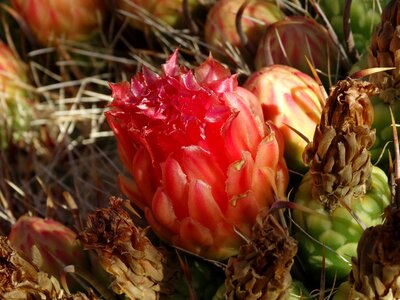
(339,157)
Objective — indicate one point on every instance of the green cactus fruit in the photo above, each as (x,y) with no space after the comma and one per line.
(338,231)
(384,131)
(364,16)
(344,191)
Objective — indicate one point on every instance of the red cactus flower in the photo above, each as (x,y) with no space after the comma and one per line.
(203,160)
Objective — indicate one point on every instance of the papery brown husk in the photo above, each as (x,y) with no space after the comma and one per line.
(339,157)
(261,270)
(384,51)
(139,269)
(20,279)
(376,272)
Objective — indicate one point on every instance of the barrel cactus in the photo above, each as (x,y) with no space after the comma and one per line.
(344,191)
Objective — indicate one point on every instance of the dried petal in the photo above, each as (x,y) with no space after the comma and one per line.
(139,269)
(338,156)
(261,270)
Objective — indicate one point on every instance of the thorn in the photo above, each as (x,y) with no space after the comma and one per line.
(366,72)
(318,80)
(353,214)
(348,34)
(73,207)
(322,279)
(332,33)
(396,196)
(298,133)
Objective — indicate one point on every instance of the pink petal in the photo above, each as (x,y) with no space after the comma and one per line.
(199,164)
(120,92)
(193,236)
(239,175)
(149,76)
(130,189)
(175,184)
(142,172)
(242,132)
(171,67)
(202,205)
(211,70)
(224,85)
(242,211)
(126,149)
(190,82)
(158,228)
(163,211)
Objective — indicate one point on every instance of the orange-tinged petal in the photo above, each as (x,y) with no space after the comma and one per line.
(200,164)
(264,181)
(242,211)
(268,153)
(239,176)
(242,133)
(130,189)
(218,243)
(202,206)
(163,211)
(194,236)
(142,171)
(157,227)
(176,186)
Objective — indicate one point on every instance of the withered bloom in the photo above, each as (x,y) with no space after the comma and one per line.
(343,189)
(376,272)
(384,52)
(339,157)
(21,280)
(139,269)
(261,270)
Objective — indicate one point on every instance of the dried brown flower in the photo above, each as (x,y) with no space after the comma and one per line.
(20,279)
(384,52)
(261,270)
(376,272)
(140,270)
(338,156)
